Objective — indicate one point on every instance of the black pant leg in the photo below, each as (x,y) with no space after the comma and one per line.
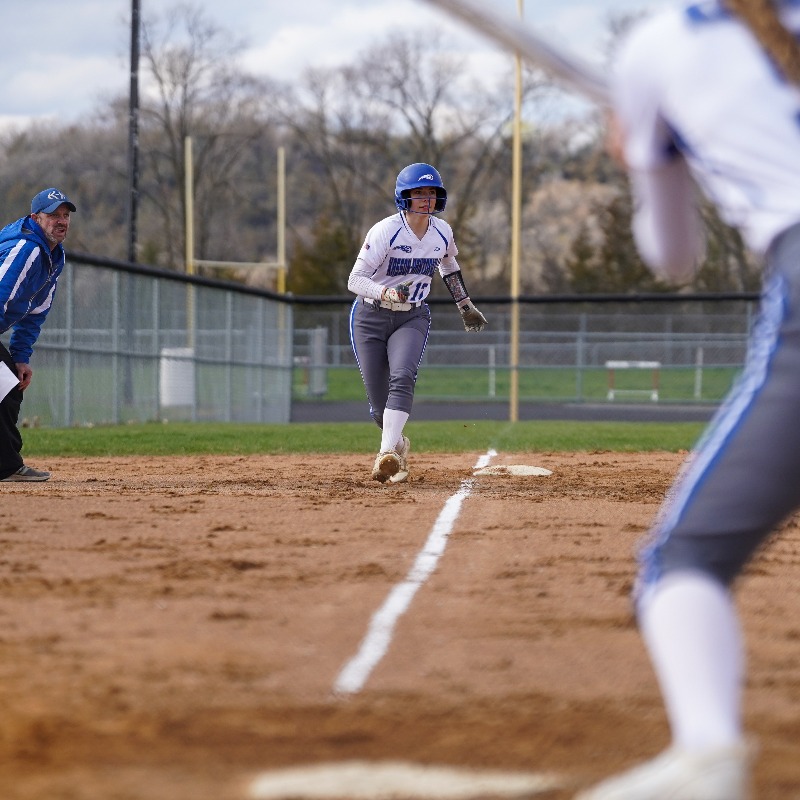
(10,438)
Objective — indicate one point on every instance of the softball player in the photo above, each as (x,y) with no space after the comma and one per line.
(709,91)
(389,320)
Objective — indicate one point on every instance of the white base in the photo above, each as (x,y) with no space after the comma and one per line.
(390,780)
(513,469)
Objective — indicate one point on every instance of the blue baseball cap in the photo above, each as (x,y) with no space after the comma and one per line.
(48,200)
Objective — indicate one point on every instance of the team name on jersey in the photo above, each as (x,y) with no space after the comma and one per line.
(412,266)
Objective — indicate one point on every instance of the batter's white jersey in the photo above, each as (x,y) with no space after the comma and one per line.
(695,77)
(393,255)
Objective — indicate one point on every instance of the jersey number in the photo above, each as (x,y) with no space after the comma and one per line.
(416,294)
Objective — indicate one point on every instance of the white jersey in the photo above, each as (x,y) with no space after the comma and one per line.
(693,77)
(392,255)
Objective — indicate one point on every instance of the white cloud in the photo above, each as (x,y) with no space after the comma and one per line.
(79,51)
(343,31)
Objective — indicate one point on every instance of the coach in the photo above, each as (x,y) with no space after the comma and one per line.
(31,260)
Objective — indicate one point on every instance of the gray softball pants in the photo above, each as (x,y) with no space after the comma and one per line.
(743,477)
(388,346)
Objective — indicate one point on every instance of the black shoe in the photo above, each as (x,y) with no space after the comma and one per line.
(28,474)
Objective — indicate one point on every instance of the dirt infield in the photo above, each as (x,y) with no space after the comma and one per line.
(171,627)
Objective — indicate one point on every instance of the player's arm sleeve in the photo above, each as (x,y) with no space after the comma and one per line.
(369,259)
(451,272)
(454,281)
(473,319)
(448,264)
(667,224)
(360,281)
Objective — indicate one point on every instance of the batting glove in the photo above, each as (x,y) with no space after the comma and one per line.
(472,318)
(395,294)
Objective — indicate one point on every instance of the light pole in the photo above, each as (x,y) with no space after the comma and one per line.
(516,238)
(133,133)
(133,193)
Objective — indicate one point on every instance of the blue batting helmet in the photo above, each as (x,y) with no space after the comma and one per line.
(417,176)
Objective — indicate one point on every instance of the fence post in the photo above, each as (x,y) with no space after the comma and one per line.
(580,345)
(698,374)
(191,320)
(115,345)
(228,356)
(262,372)
(68,365)
(157,344)
(492,371)
(317,373)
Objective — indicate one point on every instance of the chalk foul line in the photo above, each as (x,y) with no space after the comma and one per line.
(379,634)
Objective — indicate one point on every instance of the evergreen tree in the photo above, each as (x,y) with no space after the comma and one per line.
(581,263)
(322,265)
(614,265)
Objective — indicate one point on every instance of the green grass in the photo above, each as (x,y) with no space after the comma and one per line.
(555,384)
(452,436)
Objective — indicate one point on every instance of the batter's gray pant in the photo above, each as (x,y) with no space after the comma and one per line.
(388,347)
(743,477)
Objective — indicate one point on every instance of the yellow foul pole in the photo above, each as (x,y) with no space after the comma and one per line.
(516,247)
(188,178)
(282,220)
(188,188)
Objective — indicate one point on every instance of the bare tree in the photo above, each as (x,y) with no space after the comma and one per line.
(195,89)
(402,101)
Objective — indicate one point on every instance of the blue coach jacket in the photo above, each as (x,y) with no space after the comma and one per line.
(28,275)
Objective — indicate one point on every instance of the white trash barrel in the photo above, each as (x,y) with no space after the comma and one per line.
(176,376)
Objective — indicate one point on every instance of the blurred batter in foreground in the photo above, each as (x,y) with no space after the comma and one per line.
(706,95)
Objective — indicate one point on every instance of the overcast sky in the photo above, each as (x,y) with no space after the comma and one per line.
(60,58)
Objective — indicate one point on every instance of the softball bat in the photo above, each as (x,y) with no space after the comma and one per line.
(514,34)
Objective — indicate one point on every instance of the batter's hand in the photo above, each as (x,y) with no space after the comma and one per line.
(615,141)
(25,373)
(395,294)
(472,318)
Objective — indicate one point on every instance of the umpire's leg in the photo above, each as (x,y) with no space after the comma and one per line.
(10,438)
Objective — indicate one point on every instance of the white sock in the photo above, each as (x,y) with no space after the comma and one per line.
(690,627)
(393,423)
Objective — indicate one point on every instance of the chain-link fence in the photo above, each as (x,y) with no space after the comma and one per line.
(128,343)
(136,344)
(669,349)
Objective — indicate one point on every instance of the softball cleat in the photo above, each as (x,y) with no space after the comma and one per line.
(403,448)
(387,464)
(712,774)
